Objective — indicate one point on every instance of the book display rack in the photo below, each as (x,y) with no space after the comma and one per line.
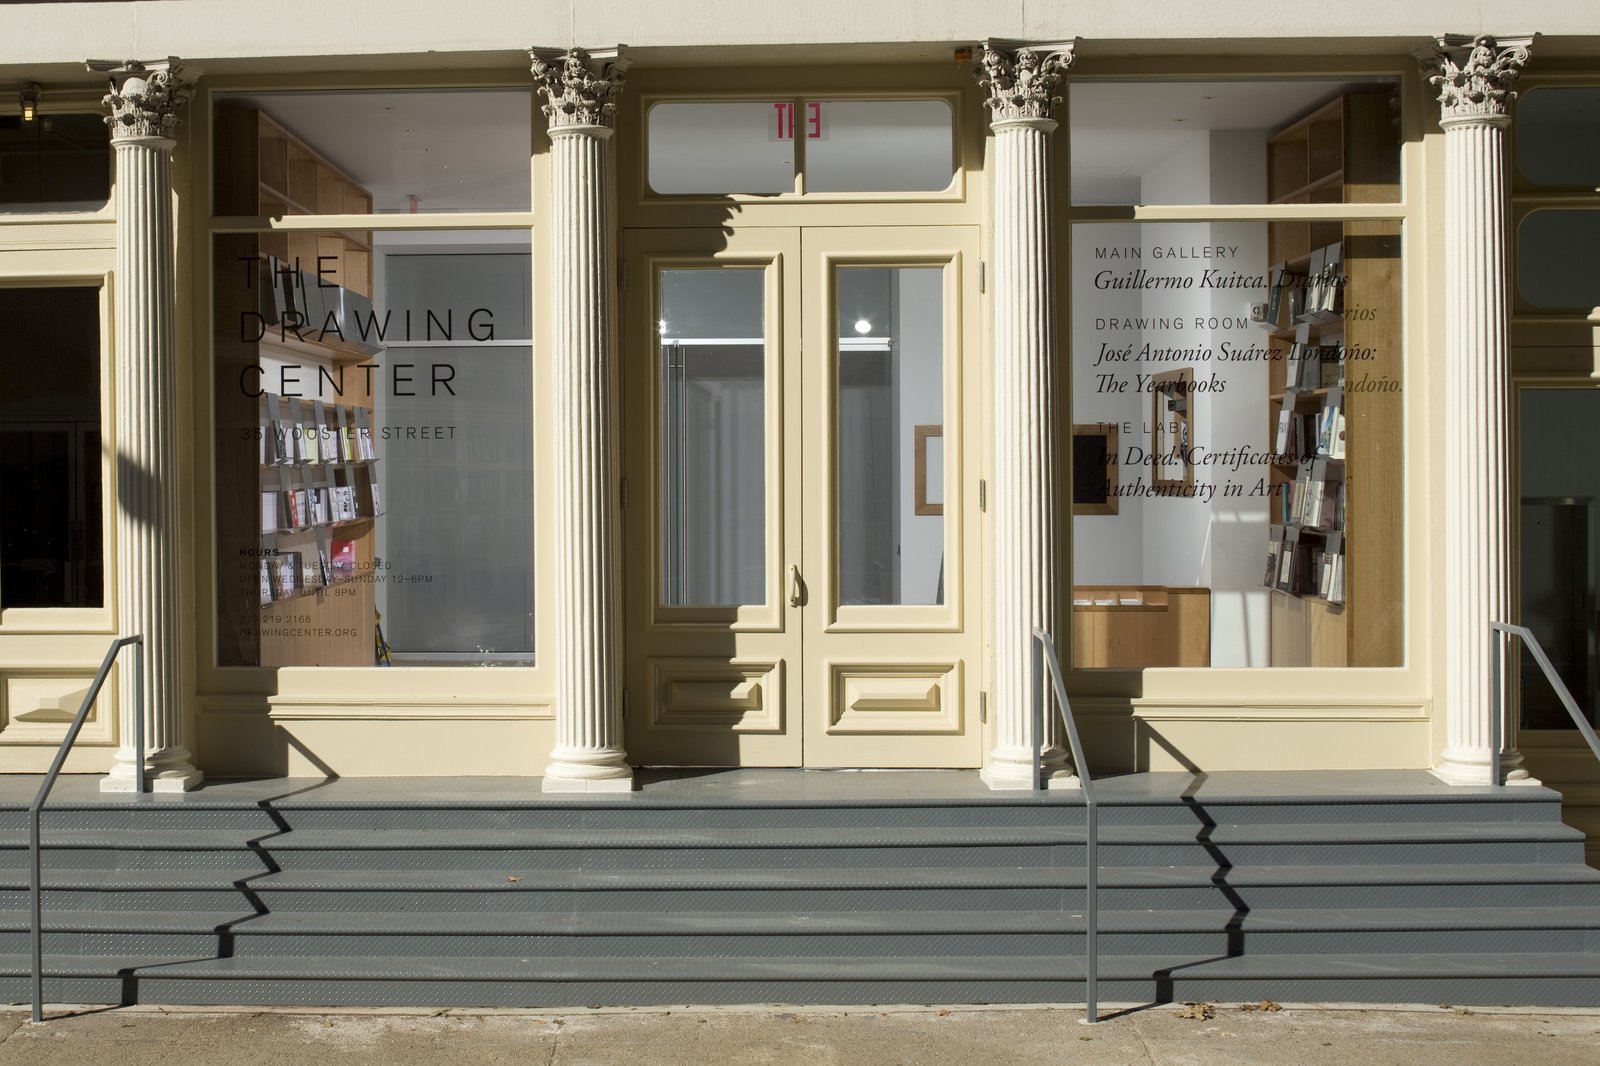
(297,470)
(1333,402)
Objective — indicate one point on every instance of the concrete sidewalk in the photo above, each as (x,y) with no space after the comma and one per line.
(915,1036)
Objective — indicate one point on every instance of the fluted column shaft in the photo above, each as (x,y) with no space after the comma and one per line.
(1473,74)
(1027,536)
(1477,498)
(143,102)
(1027,588)
(589,753)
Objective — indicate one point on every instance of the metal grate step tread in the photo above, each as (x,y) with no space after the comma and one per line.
(832,837)
(719,923)
(521,878)
(834,968)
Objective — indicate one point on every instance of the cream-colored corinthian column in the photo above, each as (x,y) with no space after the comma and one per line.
(144,102)
(1028,589)
(588,756)
(1472,75)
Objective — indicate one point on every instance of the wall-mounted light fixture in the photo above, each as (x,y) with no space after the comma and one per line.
(30,101)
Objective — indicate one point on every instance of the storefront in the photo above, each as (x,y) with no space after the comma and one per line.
(749,407)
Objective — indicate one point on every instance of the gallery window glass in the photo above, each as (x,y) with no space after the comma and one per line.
(1557,134)
(1235,141)
(374,151)
(54,162)
(374,448)
(51,551)
(1236,409)
(1558,260)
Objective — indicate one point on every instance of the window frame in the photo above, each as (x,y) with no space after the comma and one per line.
(81,619)
(1269,687)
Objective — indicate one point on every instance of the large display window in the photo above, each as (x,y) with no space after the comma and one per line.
(373,388)
(1236,454)
(51,545)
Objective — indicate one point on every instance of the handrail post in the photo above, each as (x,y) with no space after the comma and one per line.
(138,715)
(1036,649)
(1564,694)
(1044,657)
(36,809)
(36,913)
(1497,650)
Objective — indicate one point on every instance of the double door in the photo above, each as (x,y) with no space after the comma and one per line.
(802,529)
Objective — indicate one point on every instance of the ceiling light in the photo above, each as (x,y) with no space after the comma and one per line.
(863,326)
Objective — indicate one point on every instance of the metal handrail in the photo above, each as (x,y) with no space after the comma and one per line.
(1498,631)
(1044,657)
(36,889)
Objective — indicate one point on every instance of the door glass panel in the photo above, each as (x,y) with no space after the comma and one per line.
(712,366)
(890,442)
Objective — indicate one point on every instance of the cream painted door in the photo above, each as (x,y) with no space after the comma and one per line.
(711,394)
(798,500)
(892,533)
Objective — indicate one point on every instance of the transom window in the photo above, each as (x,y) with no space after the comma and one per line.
(800,145)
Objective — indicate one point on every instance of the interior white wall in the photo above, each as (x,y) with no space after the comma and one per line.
(1210,539)
(1238,525)
(1106,549)
(1176,527)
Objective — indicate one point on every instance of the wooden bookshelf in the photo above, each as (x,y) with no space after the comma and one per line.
(1346,151)
(321,617)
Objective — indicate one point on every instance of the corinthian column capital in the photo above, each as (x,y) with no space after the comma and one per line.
(579,88)
(144,98)
(1474,74)
(1022,84)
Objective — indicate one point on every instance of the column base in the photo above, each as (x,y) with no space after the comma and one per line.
(169,770)
(1010,775)
(1470,767)
(552,783)
(600,770)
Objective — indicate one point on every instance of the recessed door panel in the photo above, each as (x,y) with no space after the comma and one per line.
(802,538)
(891,536)
(713,642)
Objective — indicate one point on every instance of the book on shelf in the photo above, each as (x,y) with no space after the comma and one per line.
(1332,364)
(270,517)
(1295,286)
(1302,370)
(342,559)
(364,439)
(1285,421)
(1274,551)
(1322,501)
(1275,296)
(313,442)
(299,514)
(377,507)
(266,581)
(1311,297)
(1330,425)
(1330,293)
(1331,562)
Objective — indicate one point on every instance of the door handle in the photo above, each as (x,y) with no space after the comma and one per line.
(797,588)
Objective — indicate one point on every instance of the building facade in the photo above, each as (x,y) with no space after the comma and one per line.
(547,393)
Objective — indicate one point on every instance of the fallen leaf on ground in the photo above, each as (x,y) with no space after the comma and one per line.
(1264,1005)
(1197,1011)
(513,879)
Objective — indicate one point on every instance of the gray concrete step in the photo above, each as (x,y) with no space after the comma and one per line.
(1555,980)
